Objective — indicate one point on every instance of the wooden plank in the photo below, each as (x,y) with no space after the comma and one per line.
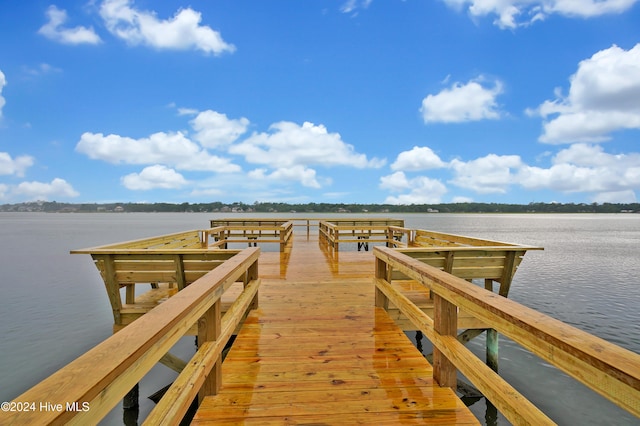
(317,347)
(510,266)
(321,334)
(608,369)
(387,418)
(140,243)
(445,323)
(178,397)
(111,284)
(125,357)
(181,280)
(209,329)
(336,402)
(509,401)
(441,238)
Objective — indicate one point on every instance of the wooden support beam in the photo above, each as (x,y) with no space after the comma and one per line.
(508,272)
(209,327)
(130,293)
(608,369)
(111,284)
(176,401)
(382,273)
(445,323)
(180,277)
(448,263)
(173,362)
(464,338)
(509,401)
(492,349)
(252,275)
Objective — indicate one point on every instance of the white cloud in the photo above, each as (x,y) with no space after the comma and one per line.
(187,111)
(422,190)
(462,102)
(587,168)
(3,82)
(516,13)
(615,197)
(395,182)
(461,199)
(17,166)
(172,149)
(54,29)
(156,176)
(418,158)
(580,168)
(289,145)
(41,69)
(490,174)
(594,156)
(207,192)
(304,175)
(46,191)
(353,5)
(604,97)
(215,129)
(4,189)
(181,32)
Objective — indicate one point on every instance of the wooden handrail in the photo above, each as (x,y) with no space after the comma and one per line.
(279,231)
(608,369)
(176,401)
(101,377)
(143,243)
(458,239)
(337,233)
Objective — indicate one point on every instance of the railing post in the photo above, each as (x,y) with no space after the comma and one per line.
(252,274)
(334,238)
(445,323)
(281,232)
(209,326)
(381,273)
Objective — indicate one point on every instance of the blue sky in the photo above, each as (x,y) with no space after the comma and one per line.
(358,101)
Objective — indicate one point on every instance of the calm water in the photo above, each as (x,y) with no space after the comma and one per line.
(54,306)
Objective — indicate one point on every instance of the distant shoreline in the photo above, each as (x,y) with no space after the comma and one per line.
(341,208)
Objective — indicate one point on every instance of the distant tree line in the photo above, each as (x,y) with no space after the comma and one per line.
(266,207)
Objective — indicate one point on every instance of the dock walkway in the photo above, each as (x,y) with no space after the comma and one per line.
(318,351)
(322,342)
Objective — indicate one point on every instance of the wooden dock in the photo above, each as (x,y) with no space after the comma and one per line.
(320,329)
(317,351)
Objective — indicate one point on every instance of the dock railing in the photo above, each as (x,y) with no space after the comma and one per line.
(609,370)
(85,390)
(249,231)
(389,232)
(169,263)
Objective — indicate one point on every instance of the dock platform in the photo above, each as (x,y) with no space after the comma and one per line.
(319,328)
(318,351)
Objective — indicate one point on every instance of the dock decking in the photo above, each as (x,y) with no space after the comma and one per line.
(319,329)
(318,351)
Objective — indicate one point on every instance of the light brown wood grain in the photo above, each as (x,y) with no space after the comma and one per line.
(608,369)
